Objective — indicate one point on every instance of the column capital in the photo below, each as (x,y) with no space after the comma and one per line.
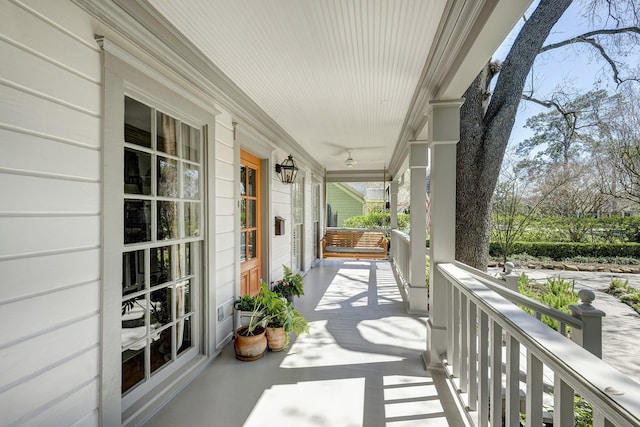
(418,155)
(444,122)
(443,103)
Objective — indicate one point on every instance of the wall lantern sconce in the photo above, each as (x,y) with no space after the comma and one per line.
(287,170)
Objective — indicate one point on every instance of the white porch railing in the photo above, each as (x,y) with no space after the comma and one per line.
(400,257)
(585,321)
(480,316)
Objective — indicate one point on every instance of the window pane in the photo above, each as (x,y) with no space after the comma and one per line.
(167,177)
(132,366)
(252,213)
(132,272)
(191,219)
(161,344)
(251,252)
(243,213)
(167,220)
(137,221)
(160,308)
(243,246)
(190,143)
(183,298)
(166,127)
(160,265)
(137,172)
(190,181)
(137,123)
(251,182)
(186,261)
(133,320)
(183,334)
(243,180)
(190,253)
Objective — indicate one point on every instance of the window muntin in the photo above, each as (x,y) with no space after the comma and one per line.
(163,240)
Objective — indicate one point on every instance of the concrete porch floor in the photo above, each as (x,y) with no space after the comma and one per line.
(361,365)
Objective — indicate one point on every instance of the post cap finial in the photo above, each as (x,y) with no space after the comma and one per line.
(586,296)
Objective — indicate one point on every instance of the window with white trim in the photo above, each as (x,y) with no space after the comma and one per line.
(163,240)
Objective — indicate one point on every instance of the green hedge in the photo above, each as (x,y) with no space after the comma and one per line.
(559,251)
(376,220)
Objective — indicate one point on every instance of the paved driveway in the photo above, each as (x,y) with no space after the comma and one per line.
(621,325)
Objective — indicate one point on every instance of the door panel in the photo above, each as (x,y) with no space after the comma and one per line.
(250,223)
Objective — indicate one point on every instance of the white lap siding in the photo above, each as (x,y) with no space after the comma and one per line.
(50,86)
(225,235)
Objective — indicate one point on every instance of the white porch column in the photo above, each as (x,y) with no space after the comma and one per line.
(418,162)
(444,133)
(393,204)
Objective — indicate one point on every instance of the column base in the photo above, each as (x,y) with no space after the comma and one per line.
(418,299)
(436,344)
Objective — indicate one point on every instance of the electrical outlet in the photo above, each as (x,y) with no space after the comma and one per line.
(220,314)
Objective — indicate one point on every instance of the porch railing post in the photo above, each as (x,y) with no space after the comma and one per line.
(590,336)
(510,277)
(417,280)
(444,133)
(393,205)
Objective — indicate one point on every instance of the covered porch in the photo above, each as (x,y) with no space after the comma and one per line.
(361,365)
(365,362)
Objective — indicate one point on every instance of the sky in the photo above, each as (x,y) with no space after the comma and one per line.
(575,66)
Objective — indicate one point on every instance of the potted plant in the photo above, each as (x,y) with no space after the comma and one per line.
(290,285)
(243,309)
(281,319)
(250,339)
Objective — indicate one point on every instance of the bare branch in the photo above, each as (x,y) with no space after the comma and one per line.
(547,103)
(588,38)
(583,37)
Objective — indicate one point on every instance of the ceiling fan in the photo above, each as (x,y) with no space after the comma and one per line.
(350,161)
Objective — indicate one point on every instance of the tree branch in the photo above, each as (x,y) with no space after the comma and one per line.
(588,38)
(547,104)
(582,37)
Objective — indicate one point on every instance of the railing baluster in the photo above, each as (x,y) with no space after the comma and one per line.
(562,403)
(483,371)
(512,416)
(477,344)
(562,328)
(534,391)
(472,343)
(495,397)
(464,344)
(456,332)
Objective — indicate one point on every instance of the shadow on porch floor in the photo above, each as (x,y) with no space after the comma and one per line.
(361,365)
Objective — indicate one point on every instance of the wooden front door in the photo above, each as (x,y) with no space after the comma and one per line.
(250,224)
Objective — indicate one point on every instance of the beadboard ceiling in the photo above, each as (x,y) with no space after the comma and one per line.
(334,74)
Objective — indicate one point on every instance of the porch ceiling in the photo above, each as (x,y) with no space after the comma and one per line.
(339,75)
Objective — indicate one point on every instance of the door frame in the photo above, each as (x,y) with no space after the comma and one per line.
(250,160)
(248,140)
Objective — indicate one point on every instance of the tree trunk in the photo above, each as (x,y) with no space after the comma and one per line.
(484,134)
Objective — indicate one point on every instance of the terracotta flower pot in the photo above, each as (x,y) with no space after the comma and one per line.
(250,347)
(276,339)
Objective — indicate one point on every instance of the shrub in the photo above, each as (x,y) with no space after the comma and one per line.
(559,251)
(376,220)
(558,293)
(625,293)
